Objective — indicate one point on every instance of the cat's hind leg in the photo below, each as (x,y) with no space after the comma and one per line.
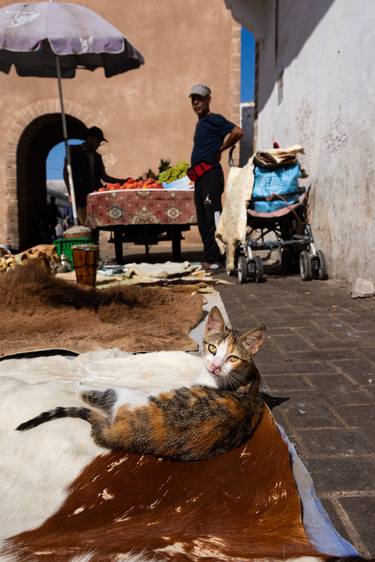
(105,400)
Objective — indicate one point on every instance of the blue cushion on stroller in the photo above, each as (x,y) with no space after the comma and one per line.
(279,181)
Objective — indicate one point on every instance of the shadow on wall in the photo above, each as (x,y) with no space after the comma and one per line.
(281,28)
(292,23)
(36,141)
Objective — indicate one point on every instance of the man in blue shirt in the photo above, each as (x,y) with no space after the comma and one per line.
(213,135)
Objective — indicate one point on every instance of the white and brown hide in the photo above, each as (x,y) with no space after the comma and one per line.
(64,497)
(231,229)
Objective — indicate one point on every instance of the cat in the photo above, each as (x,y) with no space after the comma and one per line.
(219,412)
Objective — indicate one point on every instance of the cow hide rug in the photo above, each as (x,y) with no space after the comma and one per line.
(65,499)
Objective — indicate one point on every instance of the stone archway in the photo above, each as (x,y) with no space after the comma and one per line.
(35,131)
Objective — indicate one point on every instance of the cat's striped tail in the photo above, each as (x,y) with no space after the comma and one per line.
(60,412)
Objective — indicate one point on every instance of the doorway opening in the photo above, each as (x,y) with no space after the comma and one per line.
(56,188)
(34,146)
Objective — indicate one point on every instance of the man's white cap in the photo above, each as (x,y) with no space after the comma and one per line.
(200,90)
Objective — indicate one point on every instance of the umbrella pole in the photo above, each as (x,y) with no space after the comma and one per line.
(67,150)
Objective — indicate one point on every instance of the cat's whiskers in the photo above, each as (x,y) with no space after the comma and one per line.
(234,380)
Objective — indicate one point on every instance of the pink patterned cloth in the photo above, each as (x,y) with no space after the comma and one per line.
(144,206)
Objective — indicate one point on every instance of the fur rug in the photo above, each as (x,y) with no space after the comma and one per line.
(231,229)
(64,499)
(39,311)
(35,473)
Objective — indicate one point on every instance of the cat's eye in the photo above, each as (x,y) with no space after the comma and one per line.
(233,358)
(212,348)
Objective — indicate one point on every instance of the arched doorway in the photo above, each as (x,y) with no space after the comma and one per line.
(36,141)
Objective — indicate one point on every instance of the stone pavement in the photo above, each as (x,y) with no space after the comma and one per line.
(321,354)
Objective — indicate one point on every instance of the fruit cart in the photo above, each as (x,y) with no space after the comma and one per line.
(142,216)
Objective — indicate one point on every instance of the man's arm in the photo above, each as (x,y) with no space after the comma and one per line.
(105,177)
(110,179)
(234,136)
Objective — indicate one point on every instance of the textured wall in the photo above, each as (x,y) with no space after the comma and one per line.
(146,113)
(316,88)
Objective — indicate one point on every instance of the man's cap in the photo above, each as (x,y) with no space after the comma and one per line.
(97,133)
(200,90)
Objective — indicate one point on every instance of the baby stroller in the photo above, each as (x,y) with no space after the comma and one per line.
(277,221)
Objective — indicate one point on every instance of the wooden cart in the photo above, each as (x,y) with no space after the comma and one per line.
(144,216)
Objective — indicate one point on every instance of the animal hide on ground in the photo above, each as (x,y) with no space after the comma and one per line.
(65,497)
(45,254)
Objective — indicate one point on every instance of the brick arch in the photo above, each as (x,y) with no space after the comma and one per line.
(35,130)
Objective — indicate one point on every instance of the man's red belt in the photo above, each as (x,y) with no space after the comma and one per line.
(197,171)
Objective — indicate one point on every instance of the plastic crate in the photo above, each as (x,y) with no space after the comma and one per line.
(64,246)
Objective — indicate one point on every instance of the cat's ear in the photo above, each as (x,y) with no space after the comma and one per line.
(215,321)
(254,339)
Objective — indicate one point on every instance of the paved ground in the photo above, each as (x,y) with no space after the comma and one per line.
(321,354)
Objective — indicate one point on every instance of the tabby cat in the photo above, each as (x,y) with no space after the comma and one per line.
(219,412)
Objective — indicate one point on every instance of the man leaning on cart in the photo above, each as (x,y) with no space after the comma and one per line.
(88,170)
(213,135)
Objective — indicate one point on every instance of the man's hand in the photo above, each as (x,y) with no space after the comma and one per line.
(234,136)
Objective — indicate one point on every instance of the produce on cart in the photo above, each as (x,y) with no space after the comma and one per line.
(132,184)
(145,210)
(168,178)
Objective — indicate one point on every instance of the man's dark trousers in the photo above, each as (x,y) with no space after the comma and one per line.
(207,195)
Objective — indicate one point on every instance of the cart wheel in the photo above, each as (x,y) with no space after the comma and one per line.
(242,269)
(258,269)
(322,268)
(305,266)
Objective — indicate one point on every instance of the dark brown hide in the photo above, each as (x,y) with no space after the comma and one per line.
(39,311)
(242,505)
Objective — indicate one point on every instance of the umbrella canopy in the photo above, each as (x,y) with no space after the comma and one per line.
(31,35)
(53,39)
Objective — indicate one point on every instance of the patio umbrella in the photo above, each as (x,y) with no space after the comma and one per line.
(53,39)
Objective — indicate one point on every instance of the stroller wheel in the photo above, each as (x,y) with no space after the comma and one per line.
(320,266)
(258,269)
(242,269)
(305,266)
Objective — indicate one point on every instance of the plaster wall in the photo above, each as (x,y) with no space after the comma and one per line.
(316,88)
(145,114)
(247,125)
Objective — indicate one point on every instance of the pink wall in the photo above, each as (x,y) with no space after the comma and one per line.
(146,113)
